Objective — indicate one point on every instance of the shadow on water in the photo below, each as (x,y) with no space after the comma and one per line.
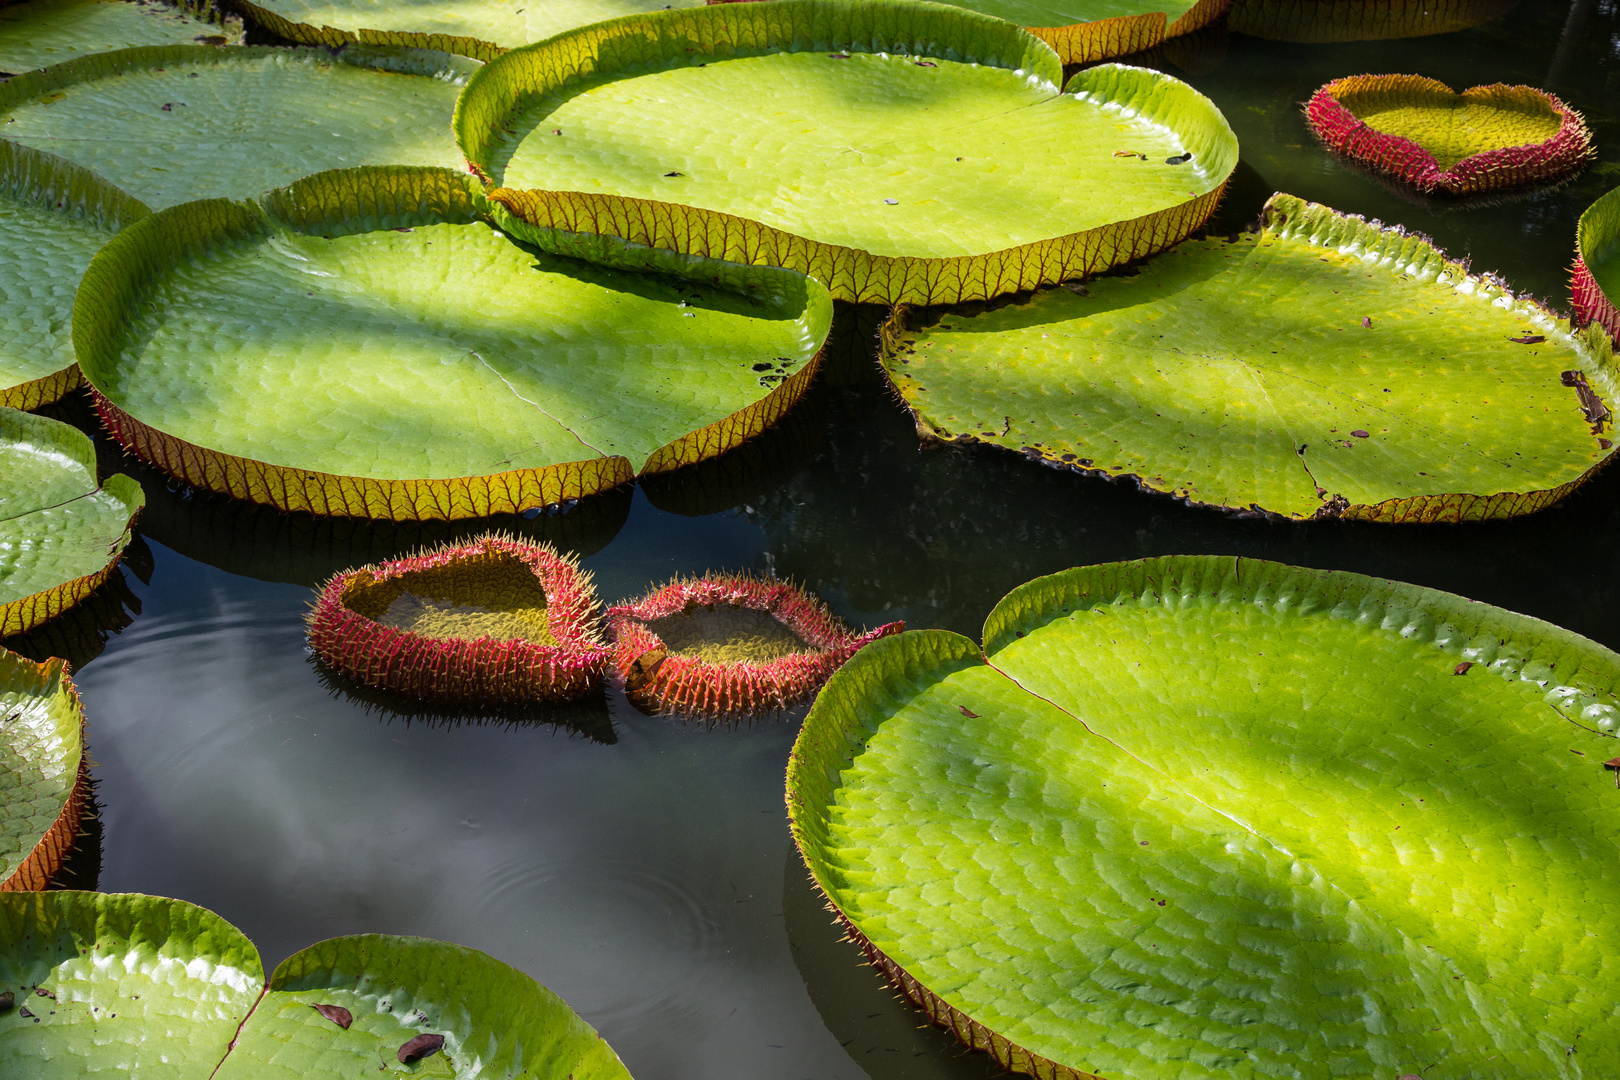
(880,1030)
(588,716)
(80,633)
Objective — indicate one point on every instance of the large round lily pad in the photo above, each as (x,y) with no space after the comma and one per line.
(38,33)
(1597,264)
(158,988)
(44,777)
(766,133)
(1322,367)
(360,344)
(169,124)
(1421,132)
(1221,818)
(61,533)
(53,217)
(1084,31)
(1360,20)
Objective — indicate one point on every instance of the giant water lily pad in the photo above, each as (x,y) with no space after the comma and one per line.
(44,775)
(1221,818)
(657,129)
(1597,264)
(163,989)
(38,33)
(359,344)
(1360,20)
(53,217)
(1419,131)
(480,28)
(1323,367)
(61,533)
(169,124)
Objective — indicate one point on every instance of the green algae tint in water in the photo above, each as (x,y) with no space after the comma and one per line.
(649,881)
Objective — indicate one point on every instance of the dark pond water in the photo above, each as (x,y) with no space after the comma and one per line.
(641,867)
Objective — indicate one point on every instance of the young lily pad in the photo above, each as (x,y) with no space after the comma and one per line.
(61,533)
(38,33)
(1596,285)
(1212,817)
(1419,131)
(1314,21)
(478,28)
(359,344)
(44,774)
(652,129)
(729,644)
(1322,367)
(142,985)
(53,217)
(494,619)
(172,123)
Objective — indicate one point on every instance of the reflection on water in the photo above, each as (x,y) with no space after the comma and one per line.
(633,863)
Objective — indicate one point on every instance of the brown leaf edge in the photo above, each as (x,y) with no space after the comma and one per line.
(46,859)
(1413,249)
(1109,39)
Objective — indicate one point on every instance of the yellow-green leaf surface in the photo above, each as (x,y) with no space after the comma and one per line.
(1360,20)
(41,754)
(783,117)
(61,533)
(38,33)
(503,24)
(1217,818)
(53,217)
(170,124)
(164,990)
(360,344)
(1320,367)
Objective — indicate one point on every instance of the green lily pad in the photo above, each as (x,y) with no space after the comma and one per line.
(38,33)
(164,989)
(53,217)
(1317,21)
(44,778)
(1597,264)
(1084,31)
(61,533)
(1322,367)
(172,123)
(1221,818)
(478,28)
(653,129)
(360,344)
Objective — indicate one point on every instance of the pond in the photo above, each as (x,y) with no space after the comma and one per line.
(641,866)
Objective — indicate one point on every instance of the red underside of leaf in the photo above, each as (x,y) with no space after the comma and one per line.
(1508,167)
(1592,305)
(459,669)
(687,684)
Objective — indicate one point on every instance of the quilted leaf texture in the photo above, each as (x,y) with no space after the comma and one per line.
(61,533)
(496,382)
(38,33)
(44,775)
(1596,279)
(1324,366)
(1207,817)
(242,125)
(160,988)
(652,129)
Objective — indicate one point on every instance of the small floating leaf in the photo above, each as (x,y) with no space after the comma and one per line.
(422,1046)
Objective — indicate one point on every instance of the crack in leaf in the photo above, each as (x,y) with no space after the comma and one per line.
(540,408)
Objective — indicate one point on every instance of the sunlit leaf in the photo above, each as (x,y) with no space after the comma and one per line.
(38,33)
(44,775)
(1212,818)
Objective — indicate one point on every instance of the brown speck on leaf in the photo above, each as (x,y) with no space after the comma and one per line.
(925,63)
(1366,322)
(969,713)
(24,1012)
(1462,668)
(420,1047)
(337,1014)
(40,991)
(1529,339)
(7,1001)
(168,106)
(1358,433)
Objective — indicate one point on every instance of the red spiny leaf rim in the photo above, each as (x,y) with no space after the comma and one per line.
(658,679)
(1333,116)
(1592,304)
(349,626)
